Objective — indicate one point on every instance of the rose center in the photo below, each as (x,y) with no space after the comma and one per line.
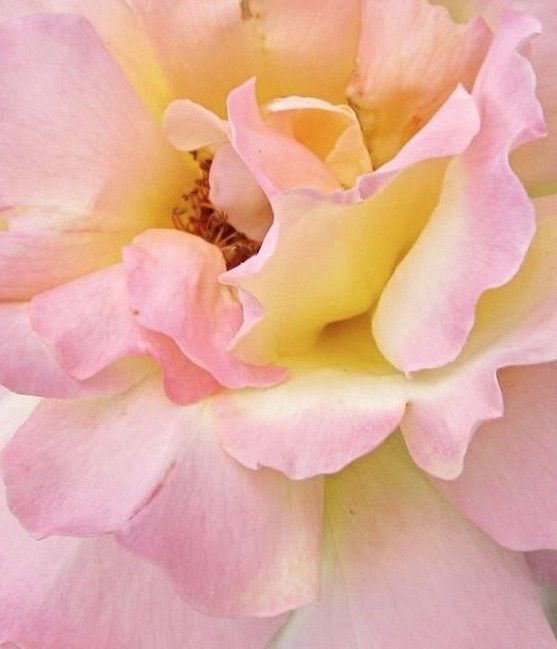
(197,215)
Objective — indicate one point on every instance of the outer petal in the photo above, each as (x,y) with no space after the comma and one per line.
(29,366)
(515,325)
(86,467)
(534,162)
(508,484)
(174,288)
(237,542)
(89,324)
(402,569)
(401,82)
(66,593)
(117,26)
(285,43)
(85,164)
(481,229)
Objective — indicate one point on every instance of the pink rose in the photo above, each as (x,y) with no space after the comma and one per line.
(279,278)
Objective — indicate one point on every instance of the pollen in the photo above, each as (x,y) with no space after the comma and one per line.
(197,215)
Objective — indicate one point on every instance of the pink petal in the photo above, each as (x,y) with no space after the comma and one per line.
(86,467)
(508,484)
(427,309)
(535,162)
(173,286)
(286,44)
(543,564)
(402,569)
(515,325)
(117,26)
(234,190)
(341,404)
(90,325)
(237,542)
(71,194)
(401,82)
(65,593)
(88,322)
(29,366)
(265,150)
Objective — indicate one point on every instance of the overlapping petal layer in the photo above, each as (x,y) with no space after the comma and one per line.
(403,569)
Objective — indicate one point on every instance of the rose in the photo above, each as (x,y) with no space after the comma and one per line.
(412,249)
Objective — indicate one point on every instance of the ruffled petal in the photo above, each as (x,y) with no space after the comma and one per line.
(515,325)
(208,48)
(401,82)
(403,569)
(237,542)
(65,593)
(86,467)
(508,484)
(86,166)
(534,162)
(174,289)
(479,233)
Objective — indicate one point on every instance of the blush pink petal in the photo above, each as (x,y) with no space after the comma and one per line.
(515,325)
(208,48)
(402,569)
(117,26)
(277,162)
(85,467)
(479,233)
(536,162)
(86,166)
(29,366)
(399,82)
(63,593)
(236,542)
(88,322)
(543,564)
(333,418)
(508,484)
(174,288)
(234,190)
(89,325)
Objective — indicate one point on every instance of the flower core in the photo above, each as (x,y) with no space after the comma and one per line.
(197,215)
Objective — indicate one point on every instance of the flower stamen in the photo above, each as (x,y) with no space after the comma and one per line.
(197,215)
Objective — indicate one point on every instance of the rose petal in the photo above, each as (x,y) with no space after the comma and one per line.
(236,542)
(190,126)
(402,569)
(29,366)
(65,593)
(234,190)
(401,82)
(508,484)
(276,161)
(479,233)
(173,285)
(85,467)
(285,43)
(85,164)
(116,24)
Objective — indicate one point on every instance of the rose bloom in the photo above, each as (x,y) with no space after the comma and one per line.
(278,323)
